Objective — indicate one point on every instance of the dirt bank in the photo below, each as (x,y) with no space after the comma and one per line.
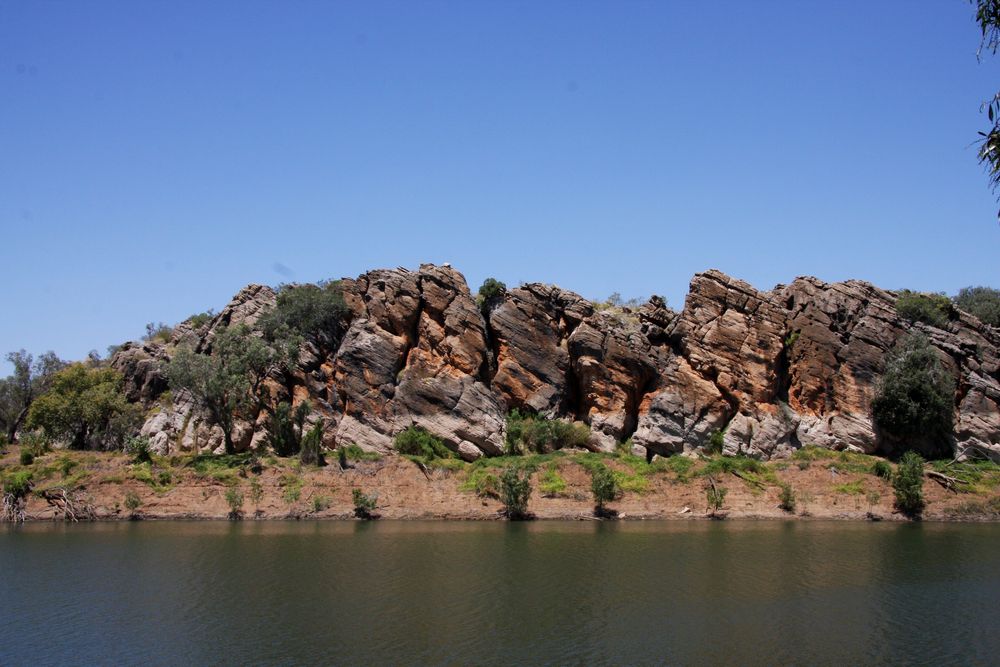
(826,485)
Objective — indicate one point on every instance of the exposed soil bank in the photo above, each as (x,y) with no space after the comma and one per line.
(196,488)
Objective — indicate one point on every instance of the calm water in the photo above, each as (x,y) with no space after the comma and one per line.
(502,594)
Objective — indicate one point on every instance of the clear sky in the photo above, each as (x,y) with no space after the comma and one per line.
(157,156)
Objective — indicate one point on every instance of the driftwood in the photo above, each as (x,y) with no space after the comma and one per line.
(13,508)
(72,507)
(950,483)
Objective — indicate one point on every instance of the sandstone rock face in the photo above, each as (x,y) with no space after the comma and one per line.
(772,371)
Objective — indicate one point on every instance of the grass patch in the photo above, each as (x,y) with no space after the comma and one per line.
(551,483)
(976,508)
(980,477)
(855,488)
(355,453)
(291,485)
(483,481)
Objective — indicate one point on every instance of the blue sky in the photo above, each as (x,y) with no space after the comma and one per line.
(155,157)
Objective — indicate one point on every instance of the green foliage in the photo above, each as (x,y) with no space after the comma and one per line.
(680,466)
(320,504)
(292,486)
(791,338)
(132,502)
(86,407)
(491,294)
(158,332)
(728,464)
(364,504)
(983,302)
(855,488)
(415,441)
(234,498)
(929,308)
(604,486)
(786,499)
(354,452)
(284,428)
(18,484)
(914,401)
(528,432)
(716,496)
(18,391)
(256,492)
(138,448)
(515,491)
(312,447)
(483,481)
(872,497)
(715,442)
(198,320)
(551,483)
(988,18)
(308,311)
(882,469)
(26,458)
(228,380)
(908,484)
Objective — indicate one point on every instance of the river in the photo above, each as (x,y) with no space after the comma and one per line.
(454,593)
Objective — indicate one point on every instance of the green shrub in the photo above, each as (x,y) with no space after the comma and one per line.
(138,448)
(882,469)
(234,498)
(983,302)
(35,442)
(364,504)
(415,441)
(716,496)
(491,294)
(483,482)
(786,498)
(18,484)
(356,453)
(908,484)
(292,485)
(158,332)
(132,502)
(515,490)
(26,458)
(604,486)
(199,320)
(315,311)
(312,447)
(285,428)
(914,401)
(256,492)
(715,442)
(66,465)
(680,466)
(320,504)
(933,309)
(528,432)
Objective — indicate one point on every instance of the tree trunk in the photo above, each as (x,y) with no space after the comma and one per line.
(12,431)
(228,439)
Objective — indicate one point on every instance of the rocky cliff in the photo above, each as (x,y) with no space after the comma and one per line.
(771,370)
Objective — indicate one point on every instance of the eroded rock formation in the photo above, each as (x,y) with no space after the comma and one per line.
(771,370)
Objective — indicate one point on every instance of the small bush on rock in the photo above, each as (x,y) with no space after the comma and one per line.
(605,488)
(983,302)
(933,309)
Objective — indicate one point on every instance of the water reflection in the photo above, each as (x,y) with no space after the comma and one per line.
(494,593)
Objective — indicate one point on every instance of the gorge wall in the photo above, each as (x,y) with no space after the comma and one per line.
(772,370)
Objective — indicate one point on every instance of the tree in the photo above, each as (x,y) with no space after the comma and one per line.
(30,379)
(908,484)
(515,491)
(312,447)
(988,18)
(86,407)
(364,504)
(491,294)
(604,487)
(983,302)
(914,402)
(228,380)
(285,428)
(310,311)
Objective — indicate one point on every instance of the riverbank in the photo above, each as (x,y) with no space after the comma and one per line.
(815,483)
